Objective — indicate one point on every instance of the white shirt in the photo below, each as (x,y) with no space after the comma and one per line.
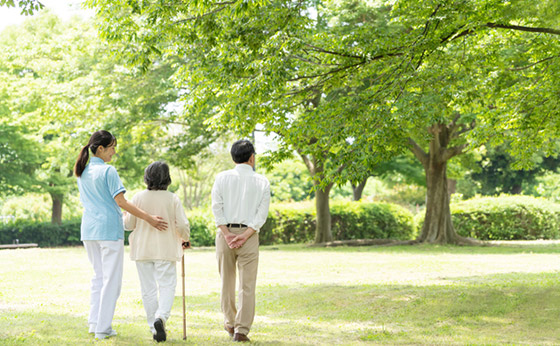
(240,195)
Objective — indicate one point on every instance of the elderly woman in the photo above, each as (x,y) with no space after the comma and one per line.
(156,251)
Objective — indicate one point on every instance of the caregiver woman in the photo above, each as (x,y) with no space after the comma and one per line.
(102,232)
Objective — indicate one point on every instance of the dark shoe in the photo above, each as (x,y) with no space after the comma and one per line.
(229,330)
(240,338)
(160,334)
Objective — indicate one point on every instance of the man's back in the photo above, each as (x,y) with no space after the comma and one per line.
(241,196)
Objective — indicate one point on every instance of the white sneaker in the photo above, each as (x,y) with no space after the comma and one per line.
(102,336)
(92,328)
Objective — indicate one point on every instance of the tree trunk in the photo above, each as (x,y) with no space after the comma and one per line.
(451,186)
(359,189)
(56,216)
(323,232)
(438,227)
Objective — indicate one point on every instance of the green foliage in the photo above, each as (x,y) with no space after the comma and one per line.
(505,218)
(289,223)
(351,220)
(290,181)
(496,172)
(548,186)
(203,229)
(45,234)
(295,222)
(36,208)
(28,7)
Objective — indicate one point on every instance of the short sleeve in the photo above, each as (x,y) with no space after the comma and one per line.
(114,182)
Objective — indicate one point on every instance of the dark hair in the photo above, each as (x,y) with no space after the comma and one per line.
(242,150)
(156,176)
(97,139)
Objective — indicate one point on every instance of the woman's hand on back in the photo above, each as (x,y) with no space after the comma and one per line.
(158,222)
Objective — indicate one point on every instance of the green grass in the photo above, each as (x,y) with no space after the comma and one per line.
(306,296)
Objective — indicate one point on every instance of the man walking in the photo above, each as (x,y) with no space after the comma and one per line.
(240,200)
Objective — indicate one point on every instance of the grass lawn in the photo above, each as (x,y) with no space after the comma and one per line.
(508,294)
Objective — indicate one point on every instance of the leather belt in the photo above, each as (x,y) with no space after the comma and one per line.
(236,225)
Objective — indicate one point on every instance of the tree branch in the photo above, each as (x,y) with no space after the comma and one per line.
(321,50)
(453,151)
(223,5)
(533,64)
(307,162)
(524,28)
(420,154)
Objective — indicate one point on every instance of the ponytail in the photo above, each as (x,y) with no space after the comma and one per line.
(81,162)
(100,138)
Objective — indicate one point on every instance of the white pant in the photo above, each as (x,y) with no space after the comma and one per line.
(106,256)
(153,274)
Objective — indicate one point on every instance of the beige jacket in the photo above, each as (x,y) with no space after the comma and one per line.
(146,242)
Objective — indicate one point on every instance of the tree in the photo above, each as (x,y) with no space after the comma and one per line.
(18,158)
(352,82)
(496,171)
(65,84)
(28,7)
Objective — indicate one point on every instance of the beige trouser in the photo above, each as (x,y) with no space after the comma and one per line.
(247,259)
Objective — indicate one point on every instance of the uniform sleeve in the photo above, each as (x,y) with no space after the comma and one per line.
(129,219)
(218,204)
(181,222)
(114,182)
(262,209)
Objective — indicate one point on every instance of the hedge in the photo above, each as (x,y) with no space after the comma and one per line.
(505,218)
(295,223)
(286,223)
(44,234)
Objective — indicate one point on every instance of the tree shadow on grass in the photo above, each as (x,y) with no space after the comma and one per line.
(491,309)
(506,247)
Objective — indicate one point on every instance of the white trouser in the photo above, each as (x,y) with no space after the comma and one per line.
(154,274)
(106,256)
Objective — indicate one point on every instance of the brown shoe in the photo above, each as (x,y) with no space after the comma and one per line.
(240,338)
(229,330)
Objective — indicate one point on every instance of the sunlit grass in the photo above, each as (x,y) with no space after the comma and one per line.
(307,296)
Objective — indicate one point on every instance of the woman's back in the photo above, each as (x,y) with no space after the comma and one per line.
(148,243)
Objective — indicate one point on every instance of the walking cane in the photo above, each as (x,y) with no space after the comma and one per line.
(184,309)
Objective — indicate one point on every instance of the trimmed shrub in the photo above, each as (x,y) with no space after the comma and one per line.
(505,218)
(44,234)
(286,223)
(295,223)
(203,230)
(289,223)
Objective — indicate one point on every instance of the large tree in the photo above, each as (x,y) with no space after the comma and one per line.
(62,83)
(348,82)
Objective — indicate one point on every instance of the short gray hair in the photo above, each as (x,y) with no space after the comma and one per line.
(156,176)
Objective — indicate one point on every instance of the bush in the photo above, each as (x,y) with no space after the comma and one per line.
(286,223)
(295,223)
(289,223)
(505,218)
(44,234)
(203,229)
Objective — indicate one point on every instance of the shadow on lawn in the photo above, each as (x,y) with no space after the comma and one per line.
(503,308)
(504,247)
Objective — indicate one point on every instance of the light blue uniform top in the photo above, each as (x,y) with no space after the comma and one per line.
(102,218)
